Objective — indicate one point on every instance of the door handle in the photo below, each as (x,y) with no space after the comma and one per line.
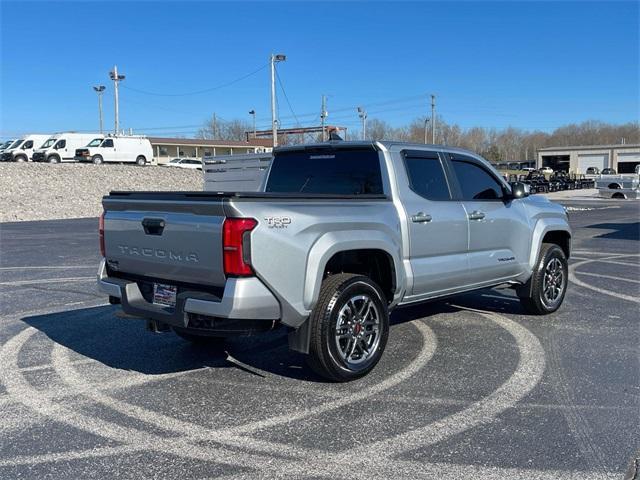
(476,215)
(421,217)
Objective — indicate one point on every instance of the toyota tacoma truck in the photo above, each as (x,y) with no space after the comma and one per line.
(340,234)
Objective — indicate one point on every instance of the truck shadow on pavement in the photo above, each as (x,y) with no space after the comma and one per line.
(619,231)
(96,333)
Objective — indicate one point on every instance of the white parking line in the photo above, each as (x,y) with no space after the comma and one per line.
(610,277)
(525,377)
(51,267)
(577,281)
(47,280)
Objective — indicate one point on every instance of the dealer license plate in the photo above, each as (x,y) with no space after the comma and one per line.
(164,295)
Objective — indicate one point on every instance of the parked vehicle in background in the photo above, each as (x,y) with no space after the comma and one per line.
(62,147)
(22,149)
(593,171)
(12,145)
(188,163)
(528,169)
(608,171)
(340,234)
(546,170)
(619,186)
(6,145)
(236,173)
(118,149)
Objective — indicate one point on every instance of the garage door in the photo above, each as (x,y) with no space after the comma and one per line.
(627,162)
(600,160)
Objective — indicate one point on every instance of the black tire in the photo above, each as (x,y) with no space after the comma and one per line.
(97,159)
(54,159)
(326,353)
(201,340)
(21,158)
(141,161)
(533,297)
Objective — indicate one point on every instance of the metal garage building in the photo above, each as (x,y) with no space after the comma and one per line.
(577,159)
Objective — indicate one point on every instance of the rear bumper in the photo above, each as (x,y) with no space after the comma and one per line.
(242,299)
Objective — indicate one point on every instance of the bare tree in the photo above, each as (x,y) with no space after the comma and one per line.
(219,129)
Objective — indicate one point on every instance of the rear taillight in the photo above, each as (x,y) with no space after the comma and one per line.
(101,233)
(236,247)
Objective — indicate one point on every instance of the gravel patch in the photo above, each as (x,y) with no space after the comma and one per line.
(37,191)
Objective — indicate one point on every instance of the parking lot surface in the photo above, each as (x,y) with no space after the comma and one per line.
(470,387)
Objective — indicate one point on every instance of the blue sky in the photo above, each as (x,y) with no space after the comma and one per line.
(532,65)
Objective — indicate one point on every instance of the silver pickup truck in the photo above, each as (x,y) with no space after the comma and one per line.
(339,235)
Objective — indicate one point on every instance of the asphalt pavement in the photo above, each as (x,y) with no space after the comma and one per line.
(470,387)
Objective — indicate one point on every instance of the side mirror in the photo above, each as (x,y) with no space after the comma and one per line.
(519,190)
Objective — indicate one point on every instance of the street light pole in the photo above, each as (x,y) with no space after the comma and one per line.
(274,122)
(362,113)
(116,79)
(99,90)
(253,114)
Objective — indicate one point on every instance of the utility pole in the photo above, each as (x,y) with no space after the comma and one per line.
(274,122)
(100,90)
(324,114)
(116,79)
(433,119)
(426,124)
(215,125)
(253,114)
(362,113)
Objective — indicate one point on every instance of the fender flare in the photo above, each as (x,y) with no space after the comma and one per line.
(333,242)
(543,226)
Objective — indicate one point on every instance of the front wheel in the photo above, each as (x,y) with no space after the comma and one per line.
(54,159)
(349,328)
(545,290)
(97,159)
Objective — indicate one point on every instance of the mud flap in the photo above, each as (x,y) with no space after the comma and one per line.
(300,338)
(526,290)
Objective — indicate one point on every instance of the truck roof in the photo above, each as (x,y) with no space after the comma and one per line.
(387,144)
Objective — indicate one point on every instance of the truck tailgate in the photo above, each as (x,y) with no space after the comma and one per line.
(172,237)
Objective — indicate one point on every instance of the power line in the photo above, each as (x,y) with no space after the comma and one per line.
(286,97)
(198,92)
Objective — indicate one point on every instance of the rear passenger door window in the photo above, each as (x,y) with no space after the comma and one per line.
(426,176)
(475,182)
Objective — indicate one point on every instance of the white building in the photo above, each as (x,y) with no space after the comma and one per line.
(164,149)
(623,158)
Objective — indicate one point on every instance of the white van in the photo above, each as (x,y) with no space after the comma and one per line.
(62,147)
(118,149)
(22,149)
(6,144)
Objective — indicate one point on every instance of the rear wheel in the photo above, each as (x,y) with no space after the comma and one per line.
(349,328)
(141,161)
(545,290)
(97,159)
